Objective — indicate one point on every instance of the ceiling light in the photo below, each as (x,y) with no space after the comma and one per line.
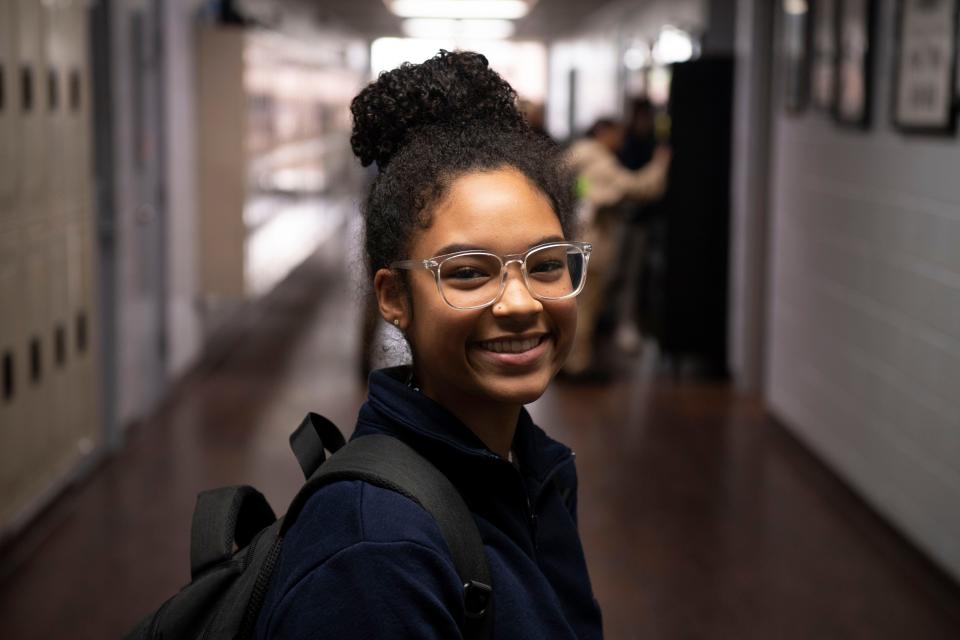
(457,29)
(795,7)
(672,45)
(482,9)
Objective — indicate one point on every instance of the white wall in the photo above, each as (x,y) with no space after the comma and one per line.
(864,309)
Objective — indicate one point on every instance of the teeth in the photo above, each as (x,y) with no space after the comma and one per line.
(510,346)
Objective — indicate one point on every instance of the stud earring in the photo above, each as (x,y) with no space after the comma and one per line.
(396,322)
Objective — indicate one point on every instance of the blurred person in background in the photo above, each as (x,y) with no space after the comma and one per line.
(607,191)
(639,146)
(468,246)
(639,141)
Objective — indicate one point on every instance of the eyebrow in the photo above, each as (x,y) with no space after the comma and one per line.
(455,248)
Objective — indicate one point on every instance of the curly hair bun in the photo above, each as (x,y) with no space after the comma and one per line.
(449,90)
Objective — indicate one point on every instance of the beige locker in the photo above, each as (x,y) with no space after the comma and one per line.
(54,103)
(46,259)
(31,63)
(35,437)
(13,355)
(10,382)
(87,390)
(53,335)
(74,424)
(9,138)
(84,388)
(75,102)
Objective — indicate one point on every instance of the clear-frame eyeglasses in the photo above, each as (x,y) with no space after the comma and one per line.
(475,279)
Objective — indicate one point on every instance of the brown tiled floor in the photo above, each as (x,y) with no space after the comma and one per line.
(701,517)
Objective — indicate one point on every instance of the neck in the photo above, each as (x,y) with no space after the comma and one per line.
(494,423)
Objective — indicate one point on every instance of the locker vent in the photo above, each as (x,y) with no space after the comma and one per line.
(7,376)
(81,332)
(60,345)
(36,361)
(53,89)
(75,90)
(26,88)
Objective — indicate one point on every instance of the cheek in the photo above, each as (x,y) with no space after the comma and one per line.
(564,315)
(438,329)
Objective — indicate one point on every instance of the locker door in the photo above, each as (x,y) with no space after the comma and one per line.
(9,141)
(53,102)
(30,60)
(10,381)
(59,447)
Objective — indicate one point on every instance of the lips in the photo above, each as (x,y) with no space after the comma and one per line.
(517,353)
(512,345)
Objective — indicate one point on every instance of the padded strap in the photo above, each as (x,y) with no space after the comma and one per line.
(224,520)
(387,462)
(314,434)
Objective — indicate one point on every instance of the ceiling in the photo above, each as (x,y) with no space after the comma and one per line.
(548,20)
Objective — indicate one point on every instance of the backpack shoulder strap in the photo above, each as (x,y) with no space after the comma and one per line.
(387,462)
(315,434)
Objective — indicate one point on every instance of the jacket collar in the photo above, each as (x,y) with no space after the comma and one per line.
(395,408)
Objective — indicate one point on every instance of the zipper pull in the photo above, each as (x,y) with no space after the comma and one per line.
(533,525)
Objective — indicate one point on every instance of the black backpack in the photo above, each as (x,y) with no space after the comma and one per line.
(235,537)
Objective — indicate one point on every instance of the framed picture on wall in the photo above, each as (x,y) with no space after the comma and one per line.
(823,67)
(854,62)
(795,55)
(926,66)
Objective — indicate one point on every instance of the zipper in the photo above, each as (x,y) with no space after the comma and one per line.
(260,588)
(549,477)
(529,514)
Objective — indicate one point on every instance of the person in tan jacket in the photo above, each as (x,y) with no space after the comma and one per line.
(603,184)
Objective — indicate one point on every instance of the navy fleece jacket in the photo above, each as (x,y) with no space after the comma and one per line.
(365,562)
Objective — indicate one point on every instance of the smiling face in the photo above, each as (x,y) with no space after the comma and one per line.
(508,352)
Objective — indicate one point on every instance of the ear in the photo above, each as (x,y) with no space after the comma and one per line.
(391,297)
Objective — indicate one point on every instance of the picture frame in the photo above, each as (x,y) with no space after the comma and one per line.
(854,62)
(796,54)
(927,66)
(823,59)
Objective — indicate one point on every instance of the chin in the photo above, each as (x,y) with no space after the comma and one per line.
(518,390)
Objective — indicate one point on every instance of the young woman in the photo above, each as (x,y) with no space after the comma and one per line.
(468,228)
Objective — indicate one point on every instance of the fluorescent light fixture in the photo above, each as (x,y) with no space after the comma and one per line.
(462,9)
(672,45)
(438,28)
(795,7)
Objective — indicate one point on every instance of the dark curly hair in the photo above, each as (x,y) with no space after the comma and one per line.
(427,124)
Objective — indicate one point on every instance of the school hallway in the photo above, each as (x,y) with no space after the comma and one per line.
(181,280)
(701,517)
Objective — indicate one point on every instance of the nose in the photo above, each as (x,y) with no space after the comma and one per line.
(516,299)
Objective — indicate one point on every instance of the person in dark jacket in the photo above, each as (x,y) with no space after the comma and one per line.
(467,238)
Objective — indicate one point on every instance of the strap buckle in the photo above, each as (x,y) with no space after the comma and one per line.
(476,599)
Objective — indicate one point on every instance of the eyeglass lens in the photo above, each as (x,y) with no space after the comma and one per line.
(473,279)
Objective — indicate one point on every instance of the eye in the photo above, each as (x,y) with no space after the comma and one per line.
(547,266)
(469,270)
(465,273)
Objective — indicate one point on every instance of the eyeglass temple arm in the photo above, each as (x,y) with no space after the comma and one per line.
(412,264)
